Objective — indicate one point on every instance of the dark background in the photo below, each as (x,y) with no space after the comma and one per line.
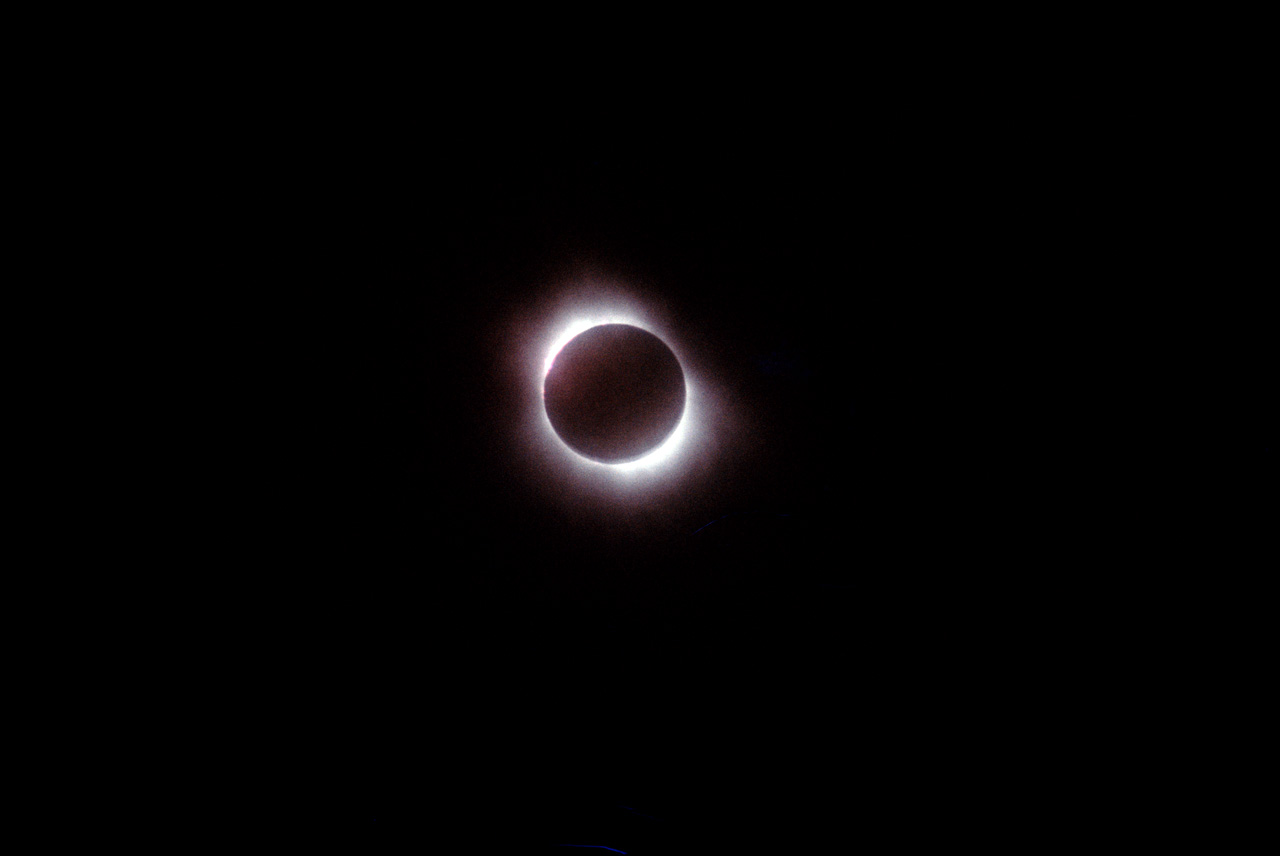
(978,300)
(753,658)
(822,634)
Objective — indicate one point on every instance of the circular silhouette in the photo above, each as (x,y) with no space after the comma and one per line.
(614,393)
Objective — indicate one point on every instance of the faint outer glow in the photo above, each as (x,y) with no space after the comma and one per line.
(666,455)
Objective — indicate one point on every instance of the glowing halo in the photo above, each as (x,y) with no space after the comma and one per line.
(676,446)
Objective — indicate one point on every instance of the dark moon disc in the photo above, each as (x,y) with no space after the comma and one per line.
(614,393)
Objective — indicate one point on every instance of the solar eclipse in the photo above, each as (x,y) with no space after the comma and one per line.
(614,393)
(672,439)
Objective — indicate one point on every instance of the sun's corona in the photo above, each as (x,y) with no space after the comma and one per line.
(670,451)
(614,393)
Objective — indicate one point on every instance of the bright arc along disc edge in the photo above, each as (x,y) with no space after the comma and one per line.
(667,452)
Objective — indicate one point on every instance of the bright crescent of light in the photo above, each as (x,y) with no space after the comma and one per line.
(664,455)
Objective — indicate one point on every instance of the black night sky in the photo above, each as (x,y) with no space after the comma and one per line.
(513,661)
(914,282)
(773,646)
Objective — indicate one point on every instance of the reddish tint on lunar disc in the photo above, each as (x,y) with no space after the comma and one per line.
(614,393)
